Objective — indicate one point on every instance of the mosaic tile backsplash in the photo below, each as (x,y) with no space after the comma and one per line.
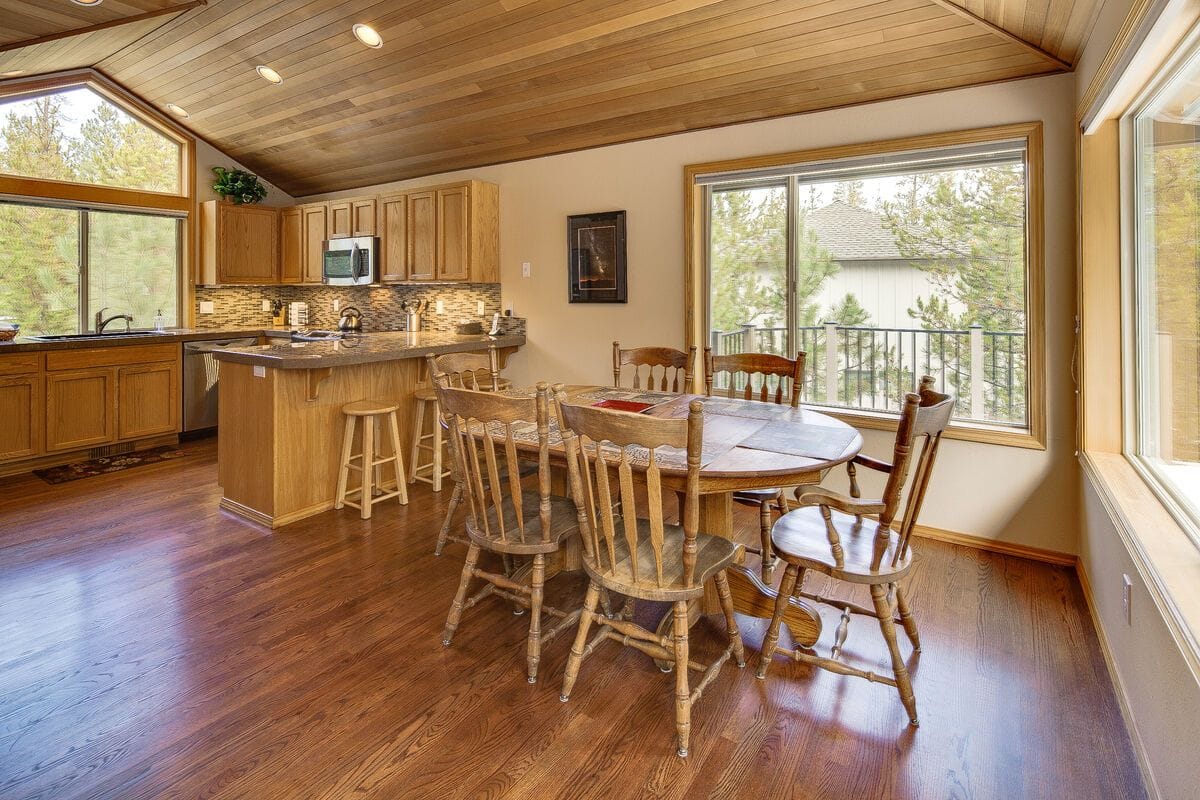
(241,306)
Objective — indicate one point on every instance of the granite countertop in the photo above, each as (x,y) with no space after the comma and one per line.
(171,336)
(371,347)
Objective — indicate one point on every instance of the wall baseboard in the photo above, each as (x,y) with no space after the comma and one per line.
(995,546)
(1139,747)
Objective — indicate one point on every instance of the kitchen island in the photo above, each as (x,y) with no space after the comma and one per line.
(280,424)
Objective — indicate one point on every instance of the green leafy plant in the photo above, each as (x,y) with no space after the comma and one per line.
(238,185)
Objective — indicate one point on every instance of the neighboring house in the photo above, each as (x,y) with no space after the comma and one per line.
(871,266)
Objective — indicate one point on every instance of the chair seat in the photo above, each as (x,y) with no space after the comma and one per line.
(713,554)
(800,537)
(563,522)
(755,496)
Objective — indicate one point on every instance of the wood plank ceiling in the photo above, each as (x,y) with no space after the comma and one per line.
(463,83)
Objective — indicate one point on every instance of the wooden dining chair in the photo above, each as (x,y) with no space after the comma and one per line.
(751,369)
(669,363)
(502,516)
(643,558)
(476,371)
(852,539)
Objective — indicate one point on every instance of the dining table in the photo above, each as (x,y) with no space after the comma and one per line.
(747,444)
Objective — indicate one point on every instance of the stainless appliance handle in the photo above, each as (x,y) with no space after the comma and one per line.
(356,270)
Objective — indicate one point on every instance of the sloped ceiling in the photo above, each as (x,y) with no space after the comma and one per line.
(463,83)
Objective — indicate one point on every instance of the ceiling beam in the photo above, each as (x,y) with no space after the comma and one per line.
(955,8)
(112,23)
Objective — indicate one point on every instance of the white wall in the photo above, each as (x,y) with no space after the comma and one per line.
(208,157)
(1012,494)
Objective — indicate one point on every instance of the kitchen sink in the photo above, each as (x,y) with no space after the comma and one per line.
(72,337)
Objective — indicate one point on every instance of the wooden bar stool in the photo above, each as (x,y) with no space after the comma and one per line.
(432,442)
(367,464)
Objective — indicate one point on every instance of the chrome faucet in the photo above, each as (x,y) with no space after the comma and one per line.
(101,322)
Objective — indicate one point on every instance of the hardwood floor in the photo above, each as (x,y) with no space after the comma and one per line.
(152,646)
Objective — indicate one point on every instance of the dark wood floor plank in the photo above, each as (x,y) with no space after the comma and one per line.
(152,646)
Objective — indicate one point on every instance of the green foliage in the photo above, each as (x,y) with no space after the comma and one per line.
(132,258)
(238,185)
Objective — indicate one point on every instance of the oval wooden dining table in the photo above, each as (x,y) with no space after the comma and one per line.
(747,445)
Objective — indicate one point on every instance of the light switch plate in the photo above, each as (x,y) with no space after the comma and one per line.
(266,305)
(206,307)
(526,269)
(337,305)
(479,308)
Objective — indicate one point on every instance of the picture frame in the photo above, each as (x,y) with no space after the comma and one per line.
(596,258)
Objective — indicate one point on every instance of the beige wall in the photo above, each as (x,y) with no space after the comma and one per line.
(1004,493)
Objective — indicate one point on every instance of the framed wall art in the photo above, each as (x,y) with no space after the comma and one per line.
(596,258)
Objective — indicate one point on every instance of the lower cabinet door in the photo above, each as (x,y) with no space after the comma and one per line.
(21,412)
(81,409)
(147,400)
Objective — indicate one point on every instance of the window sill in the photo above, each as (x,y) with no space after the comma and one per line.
(1165,556)
(966,431)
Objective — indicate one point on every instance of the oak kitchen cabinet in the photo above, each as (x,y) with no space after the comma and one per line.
(313,233)
(355,217)
(239,244)
(291,250)
(100,396)
(393,238)
(20,406)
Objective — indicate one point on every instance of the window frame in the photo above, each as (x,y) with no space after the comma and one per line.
(696,300)
(1132,289)
(66,194)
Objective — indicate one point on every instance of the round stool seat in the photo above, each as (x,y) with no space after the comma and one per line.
(368,408)
(425,394)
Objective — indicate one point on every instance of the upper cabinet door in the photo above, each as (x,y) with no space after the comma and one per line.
(339,220)
(238,244)
(291,247)
(393,238)
(453,234)
(422,236)
(362,217)
(314,234)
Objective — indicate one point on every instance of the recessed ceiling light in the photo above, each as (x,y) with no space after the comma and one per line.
(177,111)
(87,2)
(270,74)
(12,73)
(367,35)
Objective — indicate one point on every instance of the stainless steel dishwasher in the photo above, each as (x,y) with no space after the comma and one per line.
(200,374)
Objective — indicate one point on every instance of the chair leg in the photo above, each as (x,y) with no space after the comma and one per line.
(606,603)
(786,587)
(418,421)
(764,533)
(906,619)
(683,697)
(903,684)
(456,497)
(456,607)
(590,601)
(366,497)
(735,637)
(534,646)
(398,450)
(344,471)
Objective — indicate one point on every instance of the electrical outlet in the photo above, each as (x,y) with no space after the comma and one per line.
(440,306)
(526,269)
(337,305)
(206,307)
(266,305)
(260,372)
(479,308)
(509,311)
(1127,598)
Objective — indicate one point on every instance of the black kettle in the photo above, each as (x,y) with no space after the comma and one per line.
(351,320)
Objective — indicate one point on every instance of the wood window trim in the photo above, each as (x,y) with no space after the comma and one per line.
(182,202)
(695,267)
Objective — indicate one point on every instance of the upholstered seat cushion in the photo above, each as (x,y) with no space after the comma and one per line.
(713,553)
(800,537)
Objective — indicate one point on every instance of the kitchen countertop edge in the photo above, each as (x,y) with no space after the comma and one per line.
(373,348)
(26,345)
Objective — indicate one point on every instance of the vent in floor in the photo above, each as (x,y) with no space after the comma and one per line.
(110,450)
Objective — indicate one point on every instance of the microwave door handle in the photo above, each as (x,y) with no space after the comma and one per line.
(356,269)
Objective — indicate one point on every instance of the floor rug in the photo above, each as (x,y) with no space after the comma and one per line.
(102,466)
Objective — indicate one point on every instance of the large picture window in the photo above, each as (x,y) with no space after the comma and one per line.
(885,264)
(1166,286)
(95,193)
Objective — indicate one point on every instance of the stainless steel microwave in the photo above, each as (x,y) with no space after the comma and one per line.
(353,261)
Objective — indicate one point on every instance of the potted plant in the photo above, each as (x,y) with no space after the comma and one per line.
(238,185)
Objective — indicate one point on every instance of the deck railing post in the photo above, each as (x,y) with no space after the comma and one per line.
(831,362)
(715,342)
(977,382)
(747,337)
